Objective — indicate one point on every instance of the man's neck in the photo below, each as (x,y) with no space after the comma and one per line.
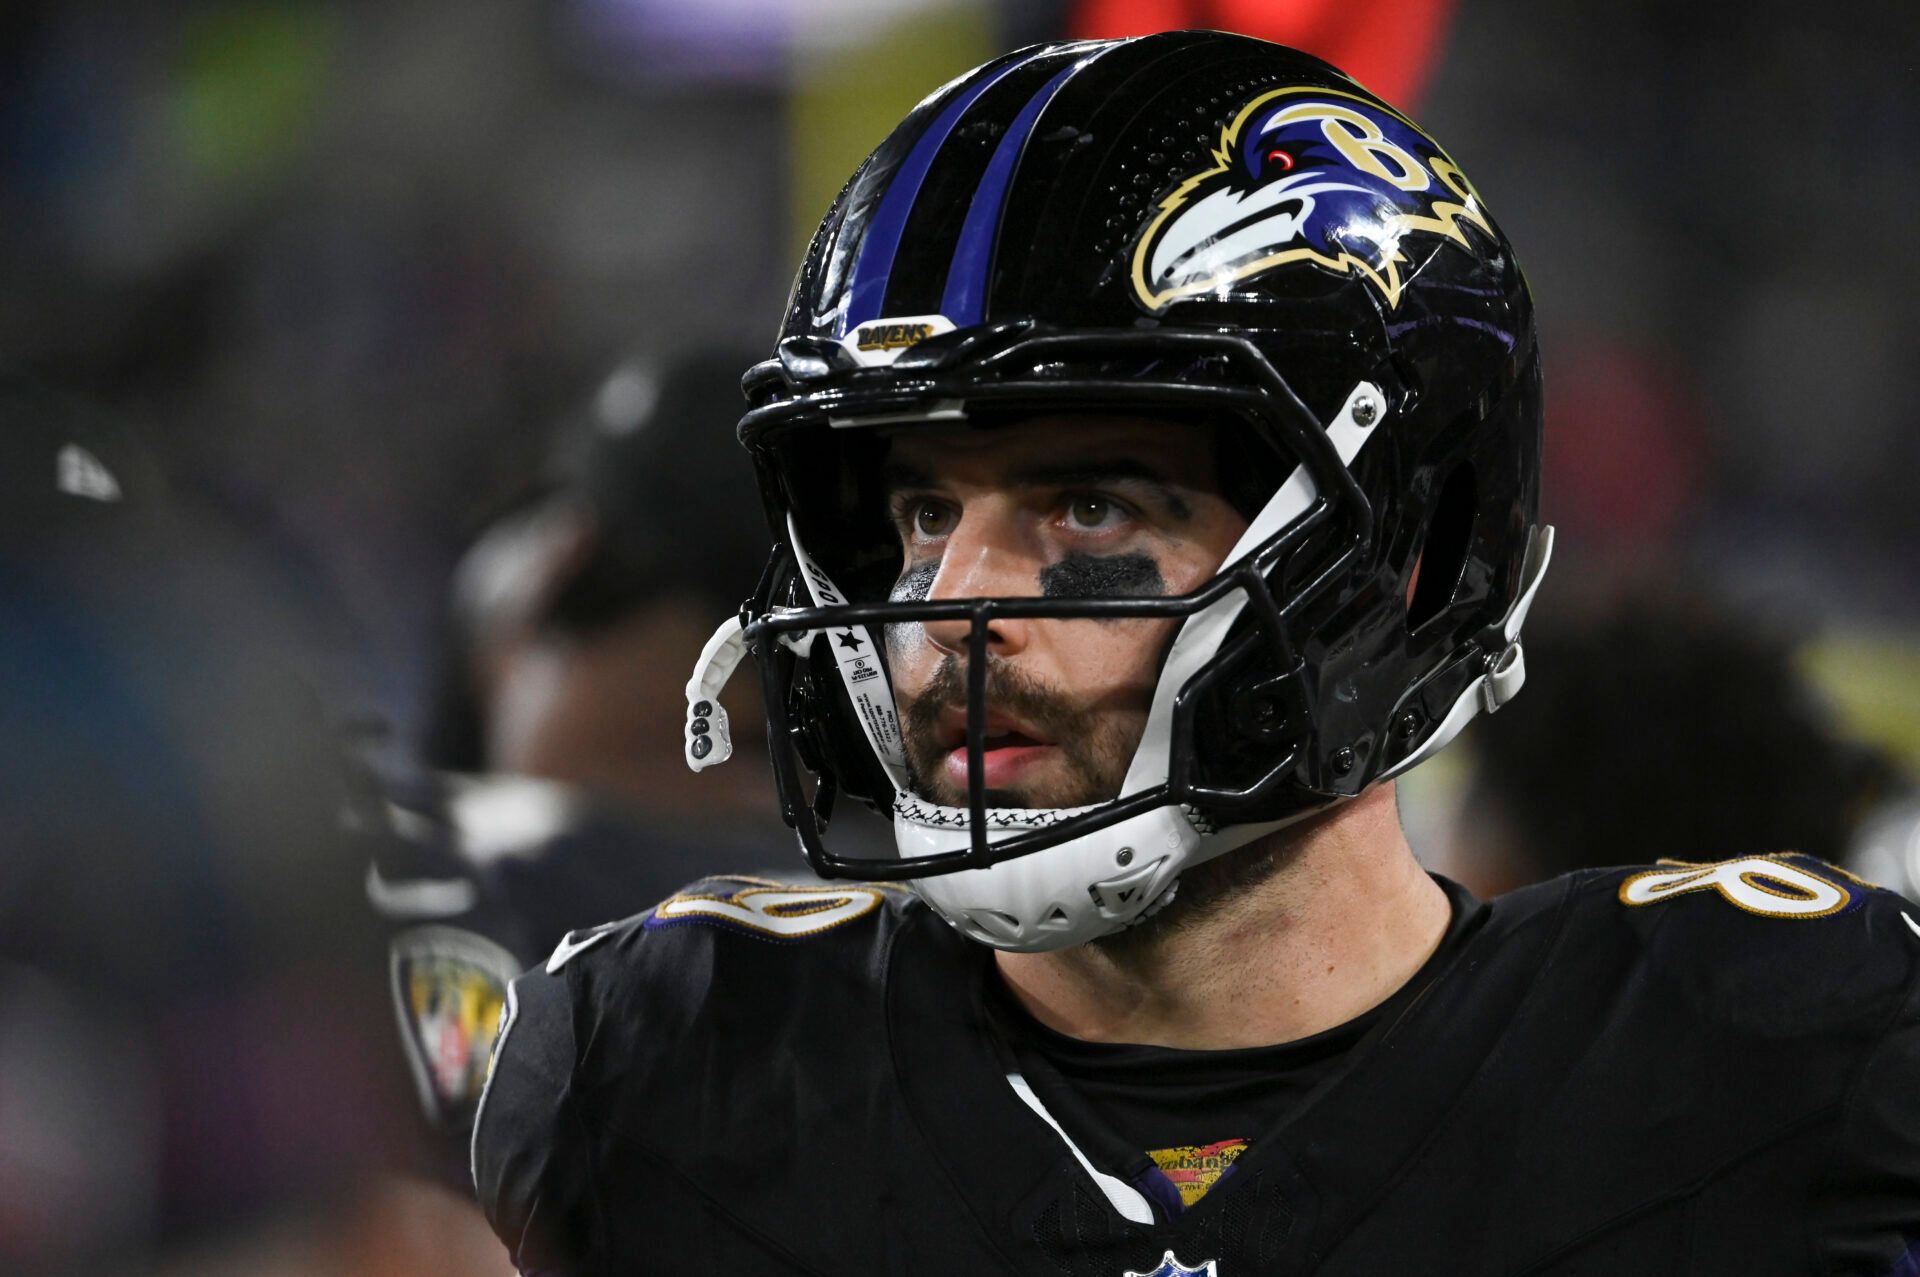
(1344,922)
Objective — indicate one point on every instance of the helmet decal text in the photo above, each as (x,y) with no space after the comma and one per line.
(1305,175)
(882,341)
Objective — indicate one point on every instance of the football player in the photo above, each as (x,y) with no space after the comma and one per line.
(546,803)
(1151,449)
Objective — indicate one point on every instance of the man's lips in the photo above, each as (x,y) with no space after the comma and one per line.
(1011,748)
(1001,766)
(1002,730)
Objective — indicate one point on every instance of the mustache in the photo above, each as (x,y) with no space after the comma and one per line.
(1094,747)
(1014,691)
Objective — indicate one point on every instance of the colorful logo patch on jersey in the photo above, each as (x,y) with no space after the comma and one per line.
(1770,886)
(1171,1267)
(449,987)
(1195,1168)
(1305,176)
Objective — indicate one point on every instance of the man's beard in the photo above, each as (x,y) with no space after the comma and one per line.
(1201,890)
(1097,750)
(1094,746)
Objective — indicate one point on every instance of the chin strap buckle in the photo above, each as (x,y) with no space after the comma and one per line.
(1508,673)
(1505,676)
(707,738)
(799,642)
(1505,679)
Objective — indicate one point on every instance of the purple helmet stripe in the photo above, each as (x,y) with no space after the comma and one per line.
(875,263)
(964,301)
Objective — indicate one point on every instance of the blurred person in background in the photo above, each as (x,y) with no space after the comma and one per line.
(1667,725)
(563,607)
(553,793)
(197,1072)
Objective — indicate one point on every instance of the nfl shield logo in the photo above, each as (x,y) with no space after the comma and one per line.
(1171,1267)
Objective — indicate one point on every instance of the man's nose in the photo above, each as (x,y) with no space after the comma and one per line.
(986,556)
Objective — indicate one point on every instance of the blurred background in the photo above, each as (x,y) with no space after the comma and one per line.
(387,291)
(349,264)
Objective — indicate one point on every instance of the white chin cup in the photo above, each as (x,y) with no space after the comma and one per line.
(1089,887)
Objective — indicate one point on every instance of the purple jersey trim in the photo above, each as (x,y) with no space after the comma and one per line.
(1154,1185)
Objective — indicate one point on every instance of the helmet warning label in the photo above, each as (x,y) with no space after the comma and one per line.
(869,691)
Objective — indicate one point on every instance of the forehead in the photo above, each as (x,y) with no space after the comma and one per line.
(1176,452)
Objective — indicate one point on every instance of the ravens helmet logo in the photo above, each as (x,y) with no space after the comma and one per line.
(1305,175)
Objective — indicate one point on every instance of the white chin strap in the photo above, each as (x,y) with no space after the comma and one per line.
(1101,881)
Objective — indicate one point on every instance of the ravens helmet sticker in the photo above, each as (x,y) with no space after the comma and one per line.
(1308,175)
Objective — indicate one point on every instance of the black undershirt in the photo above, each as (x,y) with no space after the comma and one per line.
(1119,1100)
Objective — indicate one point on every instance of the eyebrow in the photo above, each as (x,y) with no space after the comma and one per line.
(1077,472)
(896,475)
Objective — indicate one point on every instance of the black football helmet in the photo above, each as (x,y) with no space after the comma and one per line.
(1190,225)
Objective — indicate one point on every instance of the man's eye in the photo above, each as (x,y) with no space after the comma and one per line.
(1093,513)
(931,520)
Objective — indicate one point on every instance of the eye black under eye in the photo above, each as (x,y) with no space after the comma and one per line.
(1092,576)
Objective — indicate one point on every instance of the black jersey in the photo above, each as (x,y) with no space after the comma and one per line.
(1170,1121)
(1673,1069)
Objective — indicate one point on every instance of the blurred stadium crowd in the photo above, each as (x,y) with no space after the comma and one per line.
(369,376)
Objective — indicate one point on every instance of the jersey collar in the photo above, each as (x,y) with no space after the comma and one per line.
(1294,1192)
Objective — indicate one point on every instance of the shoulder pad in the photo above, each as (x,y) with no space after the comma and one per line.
(1784,886)
(760,940)
(769,909)
(730,968)
(1787,935)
